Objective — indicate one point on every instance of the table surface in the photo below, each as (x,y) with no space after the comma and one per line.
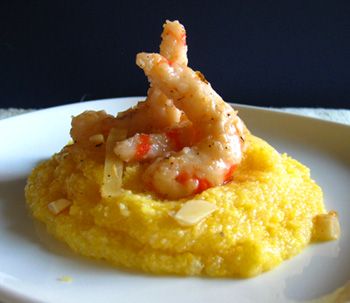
(336,115)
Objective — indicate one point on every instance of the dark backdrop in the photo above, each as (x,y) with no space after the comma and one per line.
(275,53)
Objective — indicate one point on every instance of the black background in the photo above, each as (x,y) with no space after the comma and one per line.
(274,53)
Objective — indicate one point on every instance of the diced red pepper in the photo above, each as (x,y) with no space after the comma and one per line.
(203,184)
(143,147)
(182,178)
(229,173)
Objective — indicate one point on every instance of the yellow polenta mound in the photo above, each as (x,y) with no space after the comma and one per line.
(263,217)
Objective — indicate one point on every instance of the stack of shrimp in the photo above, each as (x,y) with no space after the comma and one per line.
(197,139)
(193,192)
(186,136)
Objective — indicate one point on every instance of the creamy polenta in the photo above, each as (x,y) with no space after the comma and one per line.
(263,217)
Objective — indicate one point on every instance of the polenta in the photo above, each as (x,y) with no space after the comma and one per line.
(263,217)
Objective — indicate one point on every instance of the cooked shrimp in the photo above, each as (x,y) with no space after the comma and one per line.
(90,123)
(142,146)
(212,159)
(158,111)
(155,113)
(173,46)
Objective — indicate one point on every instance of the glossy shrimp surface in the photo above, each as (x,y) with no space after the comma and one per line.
(211,143)
(173,46)
(157,112)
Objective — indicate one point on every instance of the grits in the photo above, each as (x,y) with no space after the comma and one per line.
(262,218)
(177,184)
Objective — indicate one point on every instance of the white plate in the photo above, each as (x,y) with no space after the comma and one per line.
(31,262)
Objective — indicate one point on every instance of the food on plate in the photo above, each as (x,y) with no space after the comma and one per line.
(177,184)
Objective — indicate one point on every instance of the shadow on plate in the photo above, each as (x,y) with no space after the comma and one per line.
(13,209)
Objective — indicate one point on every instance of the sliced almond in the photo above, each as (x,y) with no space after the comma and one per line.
(58,206)
(97,139)
(194,211)
(326,227)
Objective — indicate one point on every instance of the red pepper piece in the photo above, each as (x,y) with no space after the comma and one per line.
(182,178)
(143,147)
(203,184)
(229,173)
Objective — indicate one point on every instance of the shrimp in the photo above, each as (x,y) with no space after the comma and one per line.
(212,160)
(158,111)
(138,119)
(90,123)
(173,46)
(141,118)
(142,146)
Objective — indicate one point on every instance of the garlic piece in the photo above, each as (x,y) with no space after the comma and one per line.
(326,227)
(194,211)
(113,169)
(59,205)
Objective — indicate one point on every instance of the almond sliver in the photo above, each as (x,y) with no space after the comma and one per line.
(194,211)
